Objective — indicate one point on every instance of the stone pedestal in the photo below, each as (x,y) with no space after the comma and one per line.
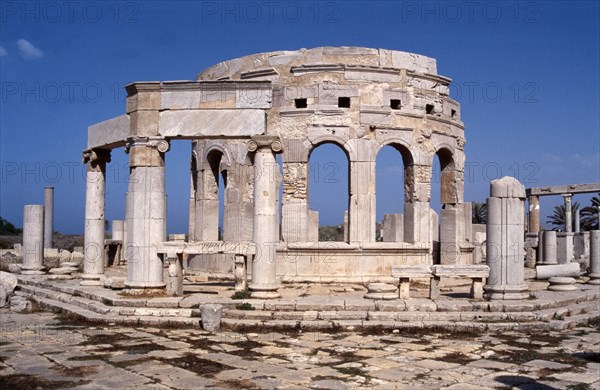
(550,247)
(33,240)
(93,263)
(561,283)
(505,239)
(48,216)
(211,317)
(266,216)
(240,273)
(146,213)
(594,257)
(387,291)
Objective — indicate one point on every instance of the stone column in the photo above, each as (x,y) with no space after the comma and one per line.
(266,216)
(117,230)
(192,210)
(33,240)
(93,262)
(146,213)
(550,247)
(540,248)
(534,214)
(362,201)
(48,216)
(577,228)
(568,216)
(504,247)
(594,257)
(125,234)
(564,247)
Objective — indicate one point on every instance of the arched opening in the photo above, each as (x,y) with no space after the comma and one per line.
(394,167)
(328,193)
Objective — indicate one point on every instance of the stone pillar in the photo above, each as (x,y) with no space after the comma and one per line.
(146,212)
(266,215)
(534,214)
(48,216)
(577,222)
(594,257)
(93,262)
(505,240)
(568,216)
(362,201)
(192,210)
(33,240)
(550,247)
(540,248)
(564,247)
(117,230)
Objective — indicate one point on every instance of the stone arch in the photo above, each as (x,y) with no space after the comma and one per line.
(326,175)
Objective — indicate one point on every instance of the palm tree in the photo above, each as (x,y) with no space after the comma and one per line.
(558,218)
(589,214)
(479,212)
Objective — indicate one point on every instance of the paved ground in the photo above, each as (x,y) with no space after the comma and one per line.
(44,351)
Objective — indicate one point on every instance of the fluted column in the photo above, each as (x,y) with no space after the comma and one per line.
(146,212)
(95,189)
(266,216)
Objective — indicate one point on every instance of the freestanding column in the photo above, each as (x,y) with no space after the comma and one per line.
(93,263)
(577,228)
(48,216)
(362,202)
(534,214)
(117,230)
(146,212)
(505,231)
(594,257)
(266,211)
(33,240)
(550,245)
(568,215)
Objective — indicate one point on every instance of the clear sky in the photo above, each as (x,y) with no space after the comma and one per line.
(526,75)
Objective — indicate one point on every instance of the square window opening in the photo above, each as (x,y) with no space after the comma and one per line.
(344,102)
(395,104)
(300,103)
(429,108)
(453,113)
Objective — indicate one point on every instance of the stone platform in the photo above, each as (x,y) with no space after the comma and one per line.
(305,306)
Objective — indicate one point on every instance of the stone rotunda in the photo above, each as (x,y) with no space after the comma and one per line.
(253,123)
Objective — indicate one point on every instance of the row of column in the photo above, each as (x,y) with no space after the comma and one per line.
(146,214)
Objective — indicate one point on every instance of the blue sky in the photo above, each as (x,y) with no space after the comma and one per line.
(526,75)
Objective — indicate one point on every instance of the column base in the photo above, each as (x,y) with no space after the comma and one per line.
(506,292)
(141,288)
(91,280)
(264,291)
(35,271)
(594,279)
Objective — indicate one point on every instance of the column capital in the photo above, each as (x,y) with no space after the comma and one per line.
(567,197)
(161,144)
(96,156)
(264,142)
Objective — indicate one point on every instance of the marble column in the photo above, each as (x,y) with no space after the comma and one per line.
(48,216)
(117,230)
(568,216)
(534,214)
(505,240)
(550,247)
(33,240)
(594,257)
(93,262)
(362,202)
(266,216)
(577,222)
(146,213)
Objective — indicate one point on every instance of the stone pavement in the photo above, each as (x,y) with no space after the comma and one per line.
(43,350)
